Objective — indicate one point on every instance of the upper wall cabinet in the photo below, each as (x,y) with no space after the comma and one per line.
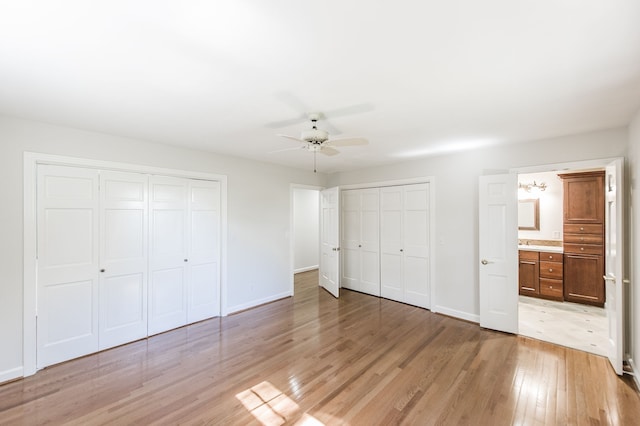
(361,240)
(583,197)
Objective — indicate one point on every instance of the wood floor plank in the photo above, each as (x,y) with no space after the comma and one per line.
(314,359)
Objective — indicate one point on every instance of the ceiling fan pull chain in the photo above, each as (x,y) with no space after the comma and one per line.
(314,160)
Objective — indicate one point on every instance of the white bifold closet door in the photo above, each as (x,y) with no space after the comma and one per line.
(123,257)
(404,244)
(361,240)
(68,269)
(184,252)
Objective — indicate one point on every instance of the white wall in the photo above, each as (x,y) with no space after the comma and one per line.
(550,201)
(633,333)
(258,209)
(306,229)
(456,206)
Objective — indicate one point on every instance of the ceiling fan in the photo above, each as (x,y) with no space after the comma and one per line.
(318,140)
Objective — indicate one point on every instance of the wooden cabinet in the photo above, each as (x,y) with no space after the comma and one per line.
(583,230)
(540,274)
(528,273)
(551,275)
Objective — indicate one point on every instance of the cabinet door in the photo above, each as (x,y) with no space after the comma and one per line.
(528,277)
(583,282)
(168,254)
(584,199)
(123,257)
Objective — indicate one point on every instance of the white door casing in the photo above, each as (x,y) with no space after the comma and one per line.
(167,254)
(123,240)
(203,266)
(498,241)
(68,269)
(614,267)
(329,239)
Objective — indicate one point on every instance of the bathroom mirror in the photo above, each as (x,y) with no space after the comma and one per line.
(529,214)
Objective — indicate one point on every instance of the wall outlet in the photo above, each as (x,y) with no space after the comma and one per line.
(556,235)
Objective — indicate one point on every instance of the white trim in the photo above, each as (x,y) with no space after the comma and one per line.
(381,184)
(258,302)
(457,314)
(31,161)
(634,372)
(305,269)
(564,167)
(11,374)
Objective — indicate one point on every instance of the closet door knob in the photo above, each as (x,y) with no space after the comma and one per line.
(401,249)
(101,270)
(186,260)
(359,245)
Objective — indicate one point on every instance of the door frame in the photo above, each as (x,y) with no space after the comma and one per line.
(292,240)
(31,160)
(587,164)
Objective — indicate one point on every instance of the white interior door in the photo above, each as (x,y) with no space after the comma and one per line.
(203,266)
(168,254)
(415,246)
(329,239)
(614,268)
(123,257)
(350,230)
(498,240)
(391,243)
(68,270)
(369,244)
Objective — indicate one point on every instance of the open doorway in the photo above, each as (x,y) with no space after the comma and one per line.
(305,230)
(545,311)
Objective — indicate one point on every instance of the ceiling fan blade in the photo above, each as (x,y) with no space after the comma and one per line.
(286,123)
(327,150)
(287,149)
(348,142)
(293,102)
(349,110)
(291,137)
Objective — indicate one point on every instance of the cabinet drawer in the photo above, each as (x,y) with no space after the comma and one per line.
(583,249)
(583,238)
(527,255)
(551,288)
(583,228)
(551,270)
(551,256)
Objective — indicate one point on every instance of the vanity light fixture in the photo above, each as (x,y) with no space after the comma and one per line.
(528,187)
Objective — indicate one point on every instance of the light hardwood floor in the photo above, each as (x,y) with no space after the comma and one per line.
(312,359)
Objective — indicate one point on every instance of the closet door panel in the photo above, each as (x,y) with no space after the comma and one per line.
(168,254)
(203,269)
(391,250)
(68,269)
(370,241)
(123,257)
(350,230)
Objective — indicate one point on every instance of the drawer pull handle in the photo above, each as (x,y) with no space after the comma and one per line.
(550,257)
(581,228)
(582,248)
(550,270)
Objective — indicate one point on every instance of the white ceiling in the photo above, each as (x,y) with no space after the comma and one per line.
(432,76)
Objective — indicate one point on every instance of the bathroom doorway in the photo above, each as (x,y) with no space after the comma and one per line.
(543,309)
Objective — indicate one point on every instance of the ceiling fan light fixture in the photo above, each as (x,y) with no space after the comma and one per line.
(315,136)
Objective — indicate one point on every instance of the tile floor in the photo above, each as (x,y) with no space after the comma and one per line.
(568,324)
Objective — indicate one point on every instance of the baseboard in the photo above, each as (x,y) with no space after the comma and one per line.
(456,314)
(634,372)
(305,269)
(258,302)
(12,374)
